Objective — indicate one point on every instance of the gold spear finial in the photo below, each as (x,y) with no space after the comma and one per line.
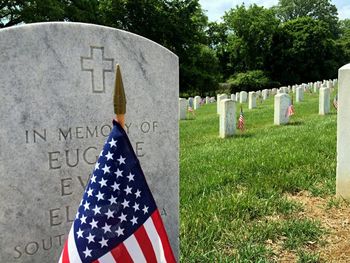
(119,99)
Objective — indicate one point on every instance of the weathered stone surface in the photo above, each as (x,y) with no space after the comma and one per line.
(299,94)
(282,102)
(56,109)
(252,100)
(227,118)
(196,102)
(243,96)
(343,131)
(324,101)
(220,97)
(182,108)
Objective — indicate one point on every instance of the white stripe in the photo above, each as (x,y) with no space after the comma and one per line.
(107,258)
(135,252)
(155,240)
(72,248)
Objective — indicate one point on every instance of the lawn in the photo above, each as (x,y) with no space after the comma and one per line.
(236,194)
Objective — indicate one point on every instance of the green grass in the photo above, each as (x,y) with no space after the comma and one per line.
(229,188)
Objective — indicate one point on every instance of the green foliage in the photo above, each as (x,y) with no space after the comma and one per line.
(322,10)
(250,81)
(232,191)
(305,51)
(250,36)
(305,257)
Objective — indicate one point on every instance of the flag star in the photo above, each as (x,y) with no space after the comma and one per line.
(131,177)
(109,156)
(77,215)
(109,214)
(112,143)
(122,218)
(90,238)
(125,203)
(99,196)
(89,192)
(145,209)
(127,190)
(81,202)
(112,200)
(93,224)
(83,219)
(115,186)
(134,220)
(121,160)
(136,207)
(106,169)
(138,193)
(101,153)
(80,233)
(97,166)
(93,178)
(119,173)
(97,210)
(107,228)
(103,242)
(86,206)
(103,182)
(87,252)
(120,231)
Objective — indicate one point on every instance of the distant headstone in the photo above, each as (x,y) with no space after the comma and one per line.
(57,82)
(227,118)
(237,96)
(265,94)
(218,102)
(324,101)
(299,94)
(233,97)
(282,102)
(191,103)
(274,91)
(207,100)
(196,102)
(252,100)
(182,108)
(343,138)
(243,97)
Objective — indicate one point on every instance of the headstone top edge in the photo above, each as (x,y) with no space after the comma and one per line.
(78,24)
(345,67)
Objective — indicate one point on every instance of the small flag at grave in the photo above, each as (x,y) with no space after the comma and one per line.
(290,110)
(117,220)
(335,102)
(241,120)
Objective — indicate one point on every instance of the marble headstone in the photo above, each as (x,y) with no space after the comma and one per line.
(196,102)
(227,122)
(243,96)
(252,100)
(282,102)
(56,110)
(182,108)
(299,94)
(220,97)
(324,101)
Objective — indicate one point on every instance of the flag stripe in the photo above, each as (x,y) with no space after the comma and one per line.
(157,221)
(72,248)
(106,258)
(64,257)
(121,254)
(134,250)
(155,240)
(145,244)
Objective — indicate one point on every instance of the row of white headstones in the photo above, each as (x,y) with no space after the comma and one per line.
(226,109)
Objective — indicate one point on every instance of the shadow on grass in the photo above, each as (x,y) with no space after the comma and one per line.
(295,123)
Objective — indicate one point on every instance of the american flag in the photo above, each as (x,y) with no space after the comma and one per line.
(117,220)
(241,121)
(335,102)
(290,109)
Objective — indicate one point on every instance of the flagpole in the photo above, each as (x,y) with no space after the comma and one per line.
(119,100)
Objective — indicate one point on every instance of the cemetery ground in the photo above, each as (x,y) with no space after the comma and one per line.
(264,195)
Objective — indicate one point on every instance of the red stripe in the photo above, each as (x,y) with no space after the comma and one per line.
(158,223)
(96,261)
(145,244)
(120,254)
(65,256)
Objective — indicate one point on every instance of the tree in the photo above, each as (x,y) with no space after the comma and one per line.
(250,32)
(322,10)
(344,40)
(303,50)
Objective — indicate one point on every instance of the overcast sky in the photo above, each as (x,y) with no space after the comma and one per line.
(216,8)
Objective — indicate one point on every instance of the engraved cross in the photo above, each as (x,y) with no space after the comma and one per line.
(98,65)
